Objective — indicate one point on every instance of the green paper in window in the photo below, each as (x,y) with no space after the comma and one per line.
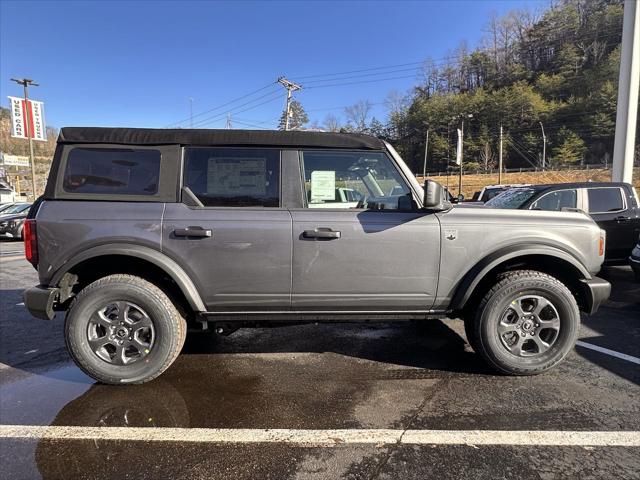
(323,185)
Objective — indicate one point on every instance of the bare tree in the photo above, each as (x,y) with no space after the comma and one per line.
(395,102)
(430,76)
(331,123)
(358,114)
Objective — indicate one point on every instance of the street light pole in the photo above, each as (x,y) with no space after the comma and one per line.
(25,82)
(462,150)
(544,147)
(424,166)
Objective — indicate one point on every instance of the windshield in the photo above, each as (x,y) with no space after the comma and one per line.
(21,207)
(490,193)
(513,198)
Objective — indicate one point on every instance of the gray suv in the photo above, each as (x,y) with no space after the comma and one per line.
(142,233)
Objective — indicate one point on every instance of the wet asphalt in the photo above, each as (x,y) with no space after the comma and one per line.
(328,376)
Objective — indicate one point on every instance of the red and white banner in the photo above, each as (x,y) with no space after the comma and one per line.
(27,118)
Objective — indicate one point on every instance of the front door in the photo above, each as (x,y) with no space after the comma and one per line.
(235,239)
(360,243)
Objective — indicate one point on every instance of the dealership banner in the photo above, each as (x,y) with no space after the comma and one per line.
(27,116)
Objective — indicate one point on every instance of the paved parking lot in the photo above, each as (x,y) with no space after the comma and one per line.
(347,401)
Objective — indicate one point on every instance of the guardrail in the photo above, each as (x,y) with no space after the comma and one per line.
(494,171)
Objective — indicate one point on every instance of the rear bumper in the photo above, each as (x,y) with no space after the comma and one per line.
(597,291)
(39,301)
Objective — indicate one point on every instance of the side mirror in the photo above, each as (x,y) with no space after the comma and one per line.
(460,198)
(434,197)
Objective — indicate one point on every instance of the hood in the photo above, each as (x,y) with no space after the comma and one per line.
(506,216)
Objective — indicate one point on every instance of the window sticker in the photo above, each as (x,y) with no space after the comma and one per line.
(237,176)
(323,185)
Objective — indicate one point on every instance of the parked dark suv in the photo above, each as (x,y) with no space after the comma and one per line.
(614,207)
(142,233)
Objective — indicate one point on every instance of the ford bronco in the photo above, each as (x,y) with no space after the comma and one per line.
(142,233)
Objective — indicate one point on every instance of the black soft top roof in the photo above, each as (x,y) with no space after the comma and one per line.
(276,138)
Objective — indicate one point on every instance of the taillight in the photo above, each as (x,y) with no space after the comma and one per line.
(30,241)
(601,246)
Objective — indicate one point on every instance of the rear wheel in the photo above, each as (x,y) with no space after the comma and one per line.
(123,329)
(526,324)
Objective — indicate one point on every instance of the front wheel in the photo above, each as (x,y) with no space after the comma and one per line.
(123,329)
(526,324)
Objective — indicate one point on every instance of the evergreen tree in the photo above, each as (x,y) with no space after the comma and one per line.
(570,149)
(297,119)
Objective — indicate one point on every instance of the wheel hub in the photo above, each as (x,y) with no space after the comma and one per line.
(122,332)
(528,325)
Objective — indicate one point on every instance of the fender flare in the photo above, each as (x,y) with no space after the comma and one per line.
(473,277)
(159,259)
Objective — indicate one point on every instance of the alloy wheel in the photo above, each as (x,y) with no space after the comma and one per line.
(529,326)
(121,333)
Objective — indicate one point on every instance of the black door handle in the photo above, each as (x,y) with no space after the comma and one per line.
(622,219)
(192,231)
(321,232)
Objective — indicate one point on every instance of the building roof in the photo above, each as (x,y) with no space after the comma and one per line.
(209,137)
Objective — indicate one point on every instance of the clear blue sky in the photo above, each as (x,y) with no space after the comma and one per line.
(137,63)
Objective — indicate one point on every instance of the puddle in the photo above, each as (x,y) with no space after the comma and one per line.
(38,398)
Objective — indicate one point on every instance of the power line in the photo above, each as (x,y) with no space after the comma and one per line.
(233,109)
(248,124)
(218,117)
(222,105)
(360,82)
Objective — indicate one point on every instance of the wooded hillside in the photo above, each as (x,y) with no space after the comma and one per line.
(557,71)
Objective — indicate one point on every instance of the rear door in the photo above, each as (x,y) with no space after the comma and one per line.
(360,243)
(236,245)
(611,210)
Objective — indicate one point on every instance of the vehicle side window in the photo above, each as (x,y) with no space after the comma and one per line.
(233,177)
(348,179)
(602,200)
(112,171)
(556,201)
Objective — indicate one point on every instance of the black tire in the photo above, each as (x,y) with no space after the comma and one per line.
(169,329)
(498,305)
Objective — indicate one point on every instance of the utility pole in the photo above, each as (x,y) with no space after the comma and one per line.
(628,84)
(424,166)
(229,125)
(544,148)
(25,82)
(500,159)
(291,87)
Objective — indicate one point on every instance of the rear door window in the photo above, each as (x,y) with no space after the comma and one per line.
(112,171)
(234,177)
(556,201)
(603,200)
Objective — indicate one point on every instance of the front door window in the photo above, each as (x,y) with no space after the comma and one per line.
(353,180)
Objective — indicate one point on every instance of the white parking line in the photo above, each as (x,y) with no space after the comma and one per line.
(328,438)
(613,353)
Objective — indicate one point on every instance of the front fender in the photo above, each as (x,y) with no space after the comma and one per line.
(470,281)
